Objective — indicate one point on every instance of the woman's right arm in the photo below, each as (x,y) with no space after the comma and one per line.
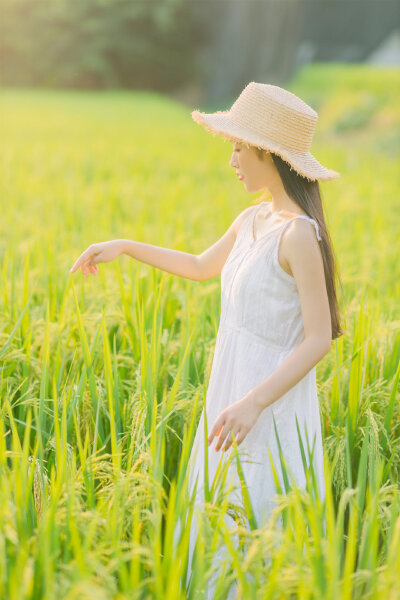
(198,267)
(211,261)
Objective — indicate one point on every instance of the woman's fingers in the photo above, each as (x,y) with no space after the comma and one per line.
(87,268)
(85,257)
(229,441)
(214,432)
(222,436)
(92,262)
(84,270)
(81,260)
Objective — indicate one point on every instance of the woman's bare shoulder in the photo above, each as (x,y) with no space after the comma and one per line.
(299,243)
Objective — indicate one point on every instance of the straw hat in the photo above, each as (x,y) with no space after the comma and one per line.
(270,117)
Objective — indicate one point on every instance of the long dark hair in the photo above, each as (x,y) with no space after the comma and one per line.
(307,196)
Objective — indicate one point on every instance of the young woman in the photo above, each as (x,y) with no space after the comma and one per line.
(279,310)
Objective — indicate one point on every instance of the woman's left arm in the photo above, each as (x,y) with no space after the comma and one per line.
(299,248)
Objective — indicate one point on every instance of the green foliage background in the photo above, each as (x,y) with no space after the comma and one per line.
(99,43)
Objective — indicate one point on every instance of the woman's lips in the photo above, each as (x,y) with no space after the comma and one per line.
(240,177)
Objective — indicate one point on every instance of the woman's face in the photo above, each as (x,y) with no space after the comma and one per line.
(254,172)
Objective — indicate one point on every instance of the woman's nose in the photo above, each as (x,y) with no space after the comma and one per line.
(232,162)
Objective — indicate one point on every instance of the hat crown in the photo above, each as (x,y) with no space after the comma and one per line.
(277,114)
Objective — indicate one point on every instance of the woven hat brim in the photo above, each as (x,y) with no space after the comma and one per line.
(304,163)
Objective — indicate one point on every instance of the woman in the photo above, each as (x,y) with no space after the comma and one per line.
(279,310)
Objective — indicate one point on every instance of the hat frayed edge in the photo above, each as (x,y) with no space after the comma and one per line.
(197,116)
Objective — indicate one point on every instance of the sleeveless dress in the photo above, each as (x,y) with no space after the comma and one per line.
(260,325)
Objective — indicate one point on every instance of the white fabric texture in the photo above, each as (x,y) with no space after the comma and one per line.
(260,325)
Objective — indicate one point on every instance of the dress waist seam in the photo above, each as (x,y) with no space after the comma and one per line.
(256,337)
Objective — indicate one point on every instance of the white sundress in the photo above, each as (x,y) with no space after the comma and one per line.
(260,325)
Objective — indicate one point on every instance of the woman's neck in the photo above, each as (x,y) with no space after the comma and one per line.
(284,203)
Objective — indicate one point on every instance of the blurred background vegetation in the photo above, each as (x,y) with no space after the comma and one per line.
(98,43)
(198,50)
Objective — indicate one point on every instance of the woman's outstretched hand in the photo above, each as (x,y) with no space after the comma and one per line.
(97,253)
(238,418)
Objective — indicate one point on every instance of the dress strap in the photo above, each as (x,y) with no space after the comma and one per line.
(310,219)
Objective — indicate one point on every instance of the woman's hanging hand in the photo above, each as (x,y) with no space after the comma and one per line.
(98,253)
(238,418)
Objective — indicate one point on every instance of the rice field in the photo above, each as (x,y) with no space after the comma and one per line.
(102,380)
